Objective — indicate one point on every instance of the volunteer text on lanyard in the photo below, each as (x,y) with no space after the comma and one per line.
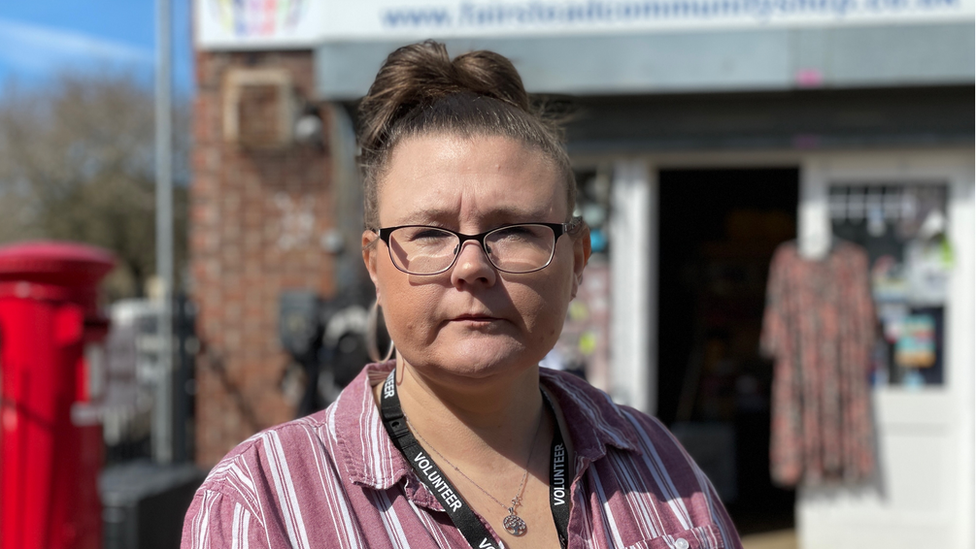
(560,474)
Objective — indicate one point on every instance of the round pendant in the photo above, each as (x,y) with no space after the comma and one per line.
(514,525)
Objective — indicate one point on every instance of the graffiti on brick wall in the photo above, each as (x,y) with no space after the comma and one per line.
(296,220)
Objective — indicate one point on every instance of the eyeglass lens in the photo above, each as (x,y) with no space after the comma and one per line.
(513,249)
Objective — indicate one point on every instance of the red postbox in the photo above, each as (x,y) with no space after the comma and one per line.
(50,441)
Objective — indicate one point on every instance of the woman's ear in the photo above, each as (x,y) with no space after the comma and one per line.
(581,256)
(370,251)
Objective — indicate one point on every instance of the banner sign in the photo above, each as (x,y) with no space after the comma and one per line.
(384,19)
(304,23)
(259,24)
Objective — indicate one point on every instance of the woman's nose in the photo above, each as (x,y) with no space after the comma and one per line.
(472,266)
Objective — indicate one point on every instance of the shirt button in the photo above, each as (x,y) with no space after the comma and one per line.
(681,543)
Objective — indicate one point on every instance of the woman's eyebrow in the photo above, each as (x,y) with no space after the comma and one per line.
(496,216)
(426,217)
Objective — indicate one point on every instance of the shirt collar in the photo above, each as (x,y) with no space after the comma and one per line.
(368,454)
(593,420)
(370,459)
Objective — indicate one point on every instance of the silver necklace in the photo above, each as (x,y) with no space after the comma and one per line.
(513,523)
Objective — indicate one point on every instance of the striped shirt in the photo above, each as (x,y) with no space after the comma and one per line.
(335,479)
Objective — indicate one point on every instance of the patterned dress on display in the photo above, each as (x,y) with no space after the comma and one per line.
(819,327)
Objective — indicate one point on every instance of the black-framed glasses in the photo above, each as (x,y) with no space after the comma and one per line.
(518,249)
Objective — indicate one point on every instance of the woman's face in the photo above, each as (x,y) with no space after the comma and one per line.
(473,321)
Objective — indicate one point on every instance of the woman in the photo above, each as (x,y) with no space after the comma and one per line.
(461,441)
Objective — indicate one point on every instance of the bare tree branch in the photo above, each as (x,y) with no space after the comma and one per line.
(77,163)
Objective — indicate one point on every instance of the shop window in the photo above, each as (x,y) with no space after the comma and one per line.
(593,205)
(584,345)
(903,230)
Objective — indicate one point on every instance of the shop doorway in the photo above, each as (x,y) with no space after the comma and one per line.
(718,231)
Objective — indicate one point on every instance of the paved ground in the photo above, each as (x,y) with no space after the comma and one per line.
(778,539)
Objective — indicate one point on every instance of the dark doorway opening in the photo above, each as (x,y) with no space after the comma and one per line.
(718,231)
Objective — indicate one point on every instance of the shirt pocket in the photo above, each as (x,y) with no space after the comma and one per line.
(707,536)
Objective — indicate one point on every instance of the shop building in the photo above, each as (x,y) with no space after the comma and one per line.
(704,135)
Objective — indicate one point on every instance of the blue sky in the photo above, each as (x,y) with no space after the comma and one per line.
(38,38)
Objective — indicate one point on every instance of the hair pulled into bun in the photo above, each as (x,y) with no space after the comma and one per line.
(420,90)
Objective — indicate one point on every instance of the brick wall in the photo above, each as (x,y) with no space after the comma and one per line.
(257,220)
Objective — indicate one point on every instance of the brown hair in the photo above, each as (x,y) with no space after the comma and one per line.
(420,90)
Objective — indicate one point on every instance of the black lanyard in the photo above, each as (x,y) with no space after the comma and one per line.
(560,474)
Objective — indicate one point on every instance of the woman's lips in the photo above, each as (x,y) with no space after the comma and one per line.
(476,318)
